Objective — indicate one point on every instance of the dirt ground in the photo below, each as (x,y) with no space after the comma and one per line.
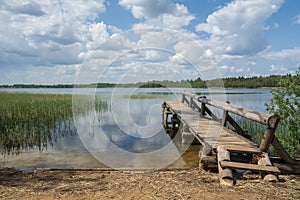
(171,184)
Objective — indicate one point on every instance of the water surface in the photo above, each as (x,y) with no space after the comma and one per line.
(128,134)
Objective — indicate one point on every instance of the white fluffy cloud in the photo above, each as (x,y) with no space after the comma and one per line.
(291,58)
(47,33)
(158,13)
(147,9)
(239,27)
(52,39)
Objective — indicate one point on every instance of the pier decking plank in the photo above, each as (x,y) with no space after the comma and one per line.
(209,131)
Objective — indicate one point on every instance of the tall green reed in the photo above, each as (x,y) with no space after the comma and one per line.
(31,121)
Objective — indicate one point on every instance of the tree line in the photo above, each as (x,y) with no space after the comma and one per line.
(233,82)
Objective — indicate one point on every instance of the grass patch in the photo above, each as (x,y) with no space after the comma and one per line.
(145,96)
(33,120)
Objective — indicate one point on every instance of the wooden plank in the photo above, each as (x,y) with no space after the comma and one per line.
(246,166)
(207,130)
(235,148)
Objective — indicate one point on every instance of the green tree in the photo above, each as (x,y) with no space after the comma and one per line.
(285,102)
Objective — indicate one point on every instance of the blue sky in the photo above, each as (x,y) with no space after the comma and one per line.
(77,41)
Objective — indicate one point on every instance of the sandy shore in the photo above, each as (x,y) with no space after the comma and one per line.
(174,184)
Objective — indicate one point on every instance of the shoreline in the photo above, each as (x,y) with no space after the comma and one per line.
(178,184)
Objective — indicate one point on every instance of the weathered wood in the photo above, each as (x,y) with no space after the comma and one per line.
(204,153)
(202,109)
(295,169)
(191,102)
(165,116)
(265,161)
(211,132)
(175,121)
(186,136)
(267,139)
(244,149)
(269,134)
(260,117)
(282,152)
(208,162)
(225,173)
(206,130)
(224,118)
(246,166)
(209,112)
(196,106)
(183,98)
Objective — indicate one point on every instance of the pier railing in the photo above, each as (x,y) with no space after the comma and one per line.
(271,121)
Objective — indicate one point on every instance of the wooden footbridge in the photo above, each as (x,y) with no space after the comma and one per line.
(224,142)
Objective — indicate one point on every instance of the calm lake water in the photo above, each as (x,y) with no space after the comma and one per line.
(127,135)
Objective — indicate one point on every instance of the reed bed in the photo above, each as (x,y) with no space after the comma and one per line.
(255,131)
(31,121)
(145,96)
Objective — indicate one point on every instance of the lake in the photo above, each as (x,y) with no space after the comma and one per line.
(128,134)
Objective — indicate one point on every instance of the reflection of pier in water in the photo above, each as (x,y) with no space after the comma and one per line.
(224,143)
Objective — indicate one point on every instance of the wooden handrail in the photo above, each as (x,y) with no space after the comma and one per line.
(270,120)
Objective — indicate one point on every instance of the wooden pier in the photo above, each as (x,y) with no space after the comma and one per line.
(224,142)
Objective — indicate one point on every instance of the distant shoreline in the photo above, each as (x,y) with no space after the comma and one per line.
(236,82)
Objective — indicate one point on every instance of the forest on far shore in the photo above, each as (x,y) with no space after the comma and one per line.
(234,82)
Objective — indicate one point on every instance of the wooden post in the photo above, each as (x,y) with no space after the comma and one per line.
(225,175)
(224,118)
(204,155)
(183,97)
(202,110)
(175,122)
(191,102)
(265,161)
(267,139)
(269,133)
(186,136)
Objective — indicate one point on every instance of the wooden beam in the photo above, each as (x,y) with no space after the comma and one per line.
(224,118)
(213,116)
(191,102)
(225,173)
(238,148)
(183,97)
(282,152)
(202,110)
(195,106)
(260,117)
(235,125)
(267,139)
(246,166)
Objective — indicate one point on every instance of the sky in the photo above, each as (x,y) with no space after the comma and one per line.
(127,41)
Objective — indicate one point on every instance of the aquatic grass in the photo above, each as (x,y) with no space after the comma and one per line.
(145,96)
(34,120)
(255,131)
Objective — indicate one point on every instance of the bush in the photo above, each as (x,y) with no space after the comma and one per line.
(285,102)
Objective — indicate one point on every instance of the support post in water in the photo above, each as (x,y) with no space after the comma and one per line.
(205,157)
